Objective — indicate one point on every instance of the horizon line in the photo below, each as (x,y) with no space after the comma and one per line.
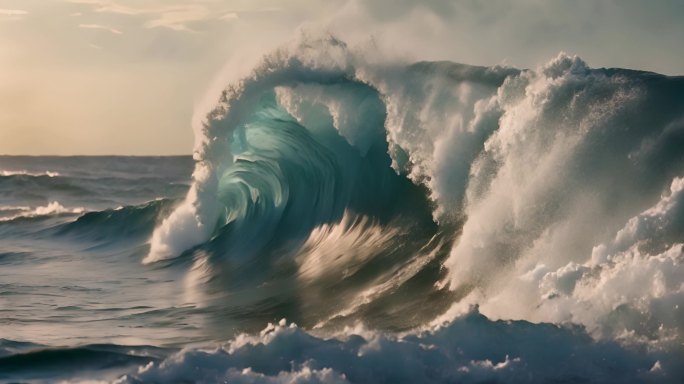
(107,155)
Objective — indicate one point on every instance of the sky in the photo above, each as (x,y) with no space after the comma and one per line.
(123,77)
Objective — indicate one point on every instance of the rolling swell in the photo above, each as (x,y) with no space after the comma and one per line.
(120,226)
(127,223)
(49,364)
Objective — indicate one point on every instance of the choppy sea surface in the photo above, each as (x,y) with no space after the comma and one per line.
(345,219)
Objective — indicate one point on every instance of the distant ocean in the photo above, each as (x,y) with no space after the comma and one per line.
(345,220)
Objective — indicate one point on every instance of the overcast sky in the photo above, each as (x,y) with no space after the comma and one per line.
(124,76)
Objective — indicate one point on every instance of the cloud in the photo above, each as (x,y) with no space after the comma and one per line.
(177,18)
(174,17)
(102,27)
(106,6)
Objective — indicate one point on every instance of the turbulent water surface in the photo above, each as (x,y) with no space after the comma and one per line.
(349,220)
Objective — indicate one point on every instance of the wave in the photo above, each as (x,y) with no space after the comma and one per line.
(339,189)
(121,224)
(122,227)
(53,208)
(37,363)
(471,349)
(6,173)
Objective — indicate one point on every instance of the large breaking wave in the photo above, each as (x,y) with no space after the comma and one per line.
(336,189)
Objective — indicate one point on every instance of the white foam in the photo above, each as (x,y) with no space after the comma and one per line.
(6,173)
(631,288)
(191,223)
(471,349)
(52,208)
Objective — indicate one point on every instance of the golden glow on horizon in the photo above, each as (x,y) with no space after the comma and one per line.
(123,76)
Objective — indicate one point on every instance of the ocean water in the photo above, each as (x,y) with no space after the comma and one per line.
(345,219)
